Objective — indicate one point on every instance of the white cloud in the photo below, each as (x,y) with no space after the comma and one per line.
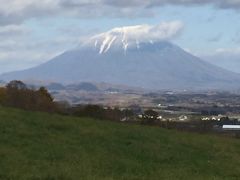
(22,6)
(144,33)
(163,31)
(227,51)
(13,30)
(19,49)
(22,58)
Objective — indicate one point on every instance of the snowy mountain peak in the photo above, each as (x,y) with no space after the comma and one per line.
(133,36)
(120,37)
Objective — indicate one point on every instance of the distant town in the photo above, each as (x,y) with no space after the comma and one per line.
(203,112)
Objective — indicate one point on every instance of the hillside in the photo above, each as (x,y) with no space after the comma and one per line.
(43,146)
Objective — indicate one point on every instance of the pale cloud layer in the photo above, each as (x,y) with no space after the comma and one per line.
(227,58)
(219,52)
(16,11)
(19,49)
(13,30)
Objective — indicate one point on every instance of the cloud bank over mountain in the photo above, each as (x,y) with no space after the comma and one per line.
(141,33)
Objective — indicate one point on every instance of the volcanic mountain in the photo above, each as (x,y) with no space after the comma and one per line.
(120,57)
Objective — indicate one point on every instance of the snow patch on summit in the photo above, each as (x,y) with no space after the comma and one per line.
(128,36)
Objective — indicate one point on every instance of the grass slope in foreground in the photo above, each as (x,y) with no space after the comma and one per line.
(42,146)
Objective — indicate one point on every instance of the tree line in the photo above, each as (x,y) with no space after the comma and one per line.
(18,95)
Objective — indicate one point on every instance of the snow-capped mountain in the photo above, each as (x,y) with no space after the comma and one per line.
(133,56)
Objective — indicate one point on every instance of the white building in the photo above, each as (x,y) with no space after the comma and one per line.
(231,127)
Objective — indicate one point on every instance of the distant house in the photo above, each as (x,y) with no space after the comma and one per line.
(205,119)
(217,118)
(214,118)
(231,127)
(140,116)
(183,118)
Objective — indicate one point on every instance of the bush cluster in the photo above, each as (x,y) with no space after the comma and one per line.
(17,94)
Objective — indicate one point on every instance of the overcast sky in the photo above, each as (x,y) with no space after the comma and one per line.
(33,31)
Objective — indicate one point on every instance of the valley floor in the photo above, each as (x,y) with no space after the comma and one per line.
(46,146)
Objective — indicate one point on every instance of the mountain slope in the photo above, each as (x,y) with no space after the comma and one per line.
(120,57)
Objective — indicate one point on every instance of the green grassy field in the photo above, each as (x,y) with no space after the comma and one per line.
(42,146)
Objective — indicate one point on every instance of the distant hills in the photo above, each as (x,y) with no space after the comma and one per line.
(84,86)
(116,58)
